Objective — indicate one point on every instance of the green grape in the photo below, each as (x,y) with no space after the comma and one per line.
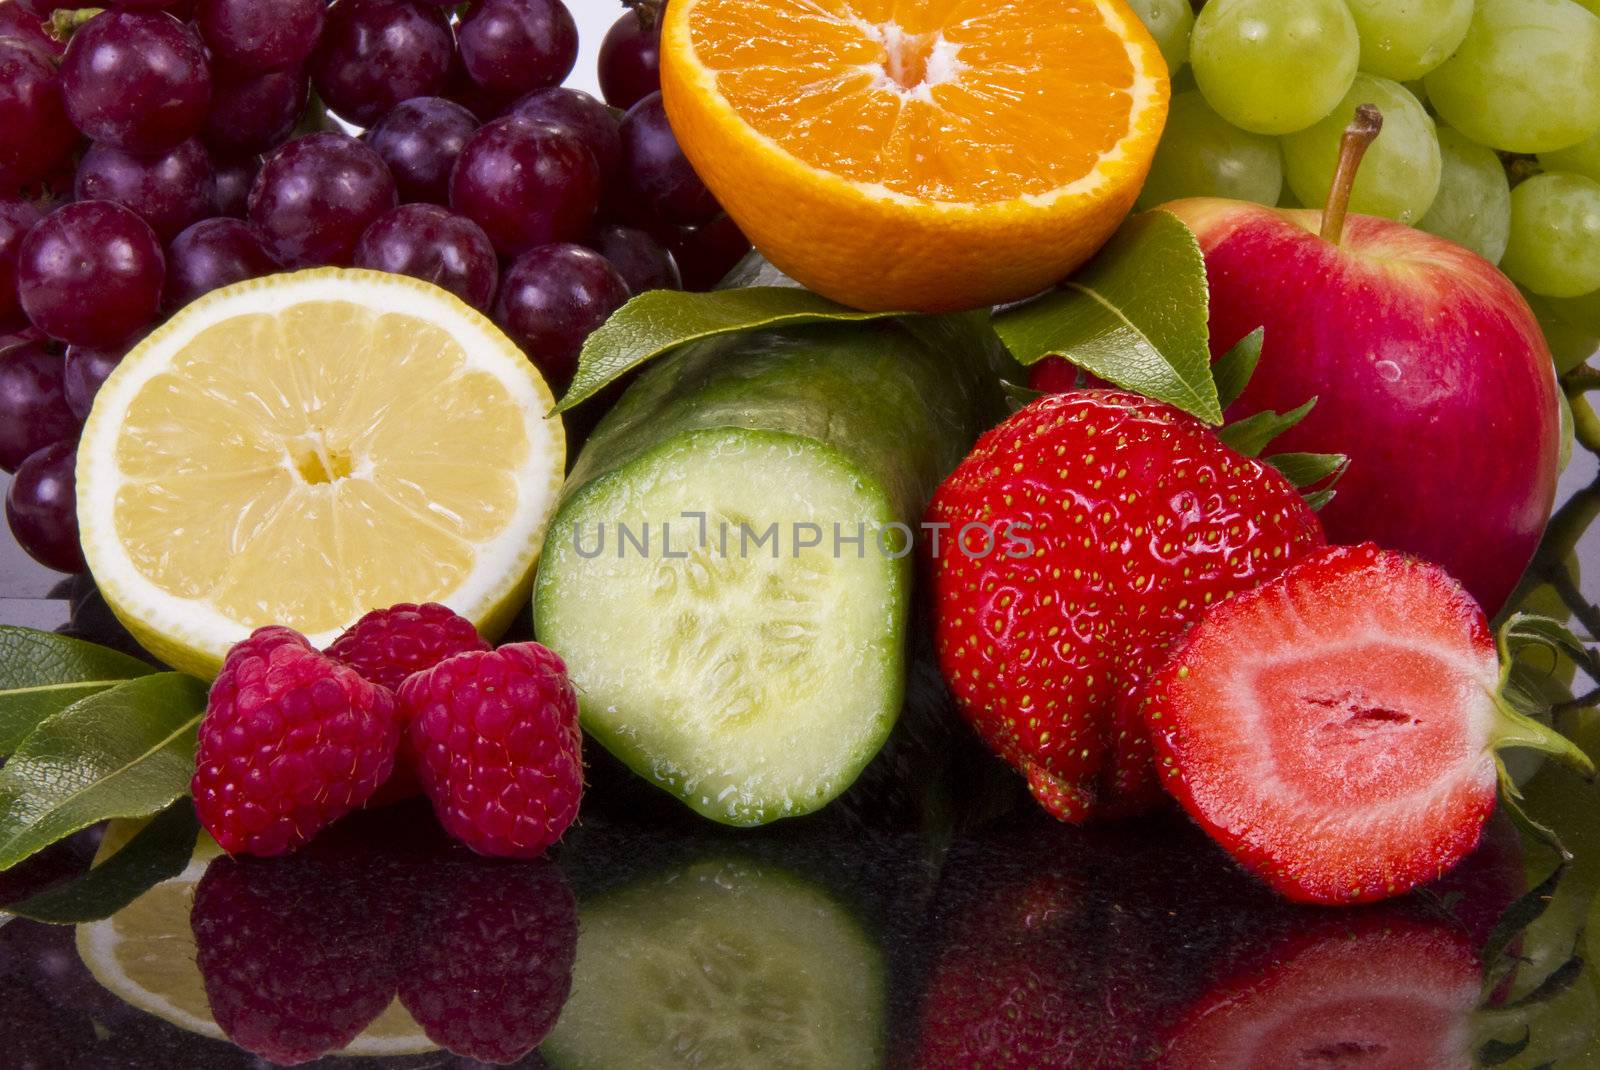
(1169,22)
(1405,39)
(1525,79)
(1582,312)
(1473,207)
(1203,155)
(1570,345)
(1400,174)
(1274,66)
(1581,159)
(1555,235)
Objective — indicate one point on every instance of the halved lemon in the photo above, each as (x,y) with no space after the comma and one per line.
(145,955)
(926,155)
(303,448)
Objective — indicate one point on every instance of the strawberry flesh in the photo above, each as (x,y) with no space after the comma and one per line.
(1333,728)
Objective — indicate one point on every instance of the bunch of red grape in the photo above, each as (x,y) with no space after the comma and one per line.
(171,147)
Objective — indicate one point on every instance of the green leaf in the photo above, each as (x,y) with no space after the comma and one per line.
(42,673)
(1135,316)
(1252,434)
(1320,499)
(1309,469)
(660,321)
(157,852)
(1233,369)
(125,752)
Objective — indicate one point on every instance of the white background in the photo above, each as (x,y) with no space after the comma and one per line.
(594,19)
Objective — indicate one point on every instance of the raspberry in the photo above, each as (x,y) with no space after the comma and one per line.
(295,959)
(496,743)
(388,645)
(291,741)
(495,965)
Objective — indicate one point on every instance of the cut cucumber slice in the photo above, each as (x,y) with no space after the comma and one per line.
(721,965)
(725,579)
(720,638)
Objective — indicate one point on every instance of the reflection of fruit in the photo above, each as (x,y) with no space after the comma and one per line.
(1136,518)
(146,954)
(1069,949)
(1335,728)
(943,161)
(723,965)
(1377,988)
(1413,347)
(494,965)
(326,442)
(291,953)
(291,742)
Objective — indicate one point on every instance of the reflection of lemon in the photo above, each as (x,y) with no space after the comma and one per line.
(145,954)
(303,448)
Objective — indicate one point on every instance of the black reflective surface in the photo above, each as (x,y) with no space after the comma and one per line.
(932,918)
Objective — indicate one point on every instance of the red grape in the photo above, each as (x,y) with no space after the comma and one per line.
(41,9)
(705,253)
(232,181)
(513,46)
(42,506)
(261,35)
(137,80)
(525,183)
(376,53)
(211,254)
(643,262)
(16,22)
(84,371)
(91,274)
(436,245)
(595,124)
(316,195)
(420,141)
(16,219)
(169,191)
(255,112)
(658,171)
(551,299)
(630,58)
(34,412)
(35,135)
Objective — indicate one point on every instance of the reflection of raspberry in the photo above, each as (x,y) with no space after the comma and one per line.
(388,645)
(291,741)
(292,952)
(496,963)
(496,743)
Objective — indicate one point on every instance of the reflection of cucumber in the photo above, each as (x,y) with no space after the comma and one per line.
(723,965)
(754,676)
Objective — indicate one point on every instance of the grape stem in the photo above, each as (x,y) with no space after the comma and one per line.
(64,22)
(647,11)
(1358,137)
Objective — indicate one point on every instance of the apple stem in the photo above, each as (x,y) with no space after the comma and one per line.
(1358,137)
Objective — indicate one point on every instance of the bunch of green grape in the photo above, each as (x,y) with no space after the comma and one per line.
(1491,133)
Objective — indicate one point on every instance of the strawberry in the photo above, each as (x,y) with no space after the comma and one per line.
(1116,520)
(1335,729)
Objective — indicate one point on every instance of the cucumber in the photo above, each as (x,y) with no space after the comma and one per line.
(723,965)
(754,677)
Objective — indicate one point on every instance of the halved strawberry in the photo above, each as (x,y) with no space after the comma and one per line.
(1336,728)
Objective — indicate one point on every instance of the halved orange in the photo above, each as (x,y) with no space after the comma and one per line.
(925,155)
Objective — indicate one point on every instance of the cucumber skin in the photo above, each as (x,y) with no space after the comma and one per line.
(904,414)
(900,413)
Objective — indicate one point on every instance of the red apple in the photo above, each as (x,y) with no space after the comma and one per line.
(1430,372)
